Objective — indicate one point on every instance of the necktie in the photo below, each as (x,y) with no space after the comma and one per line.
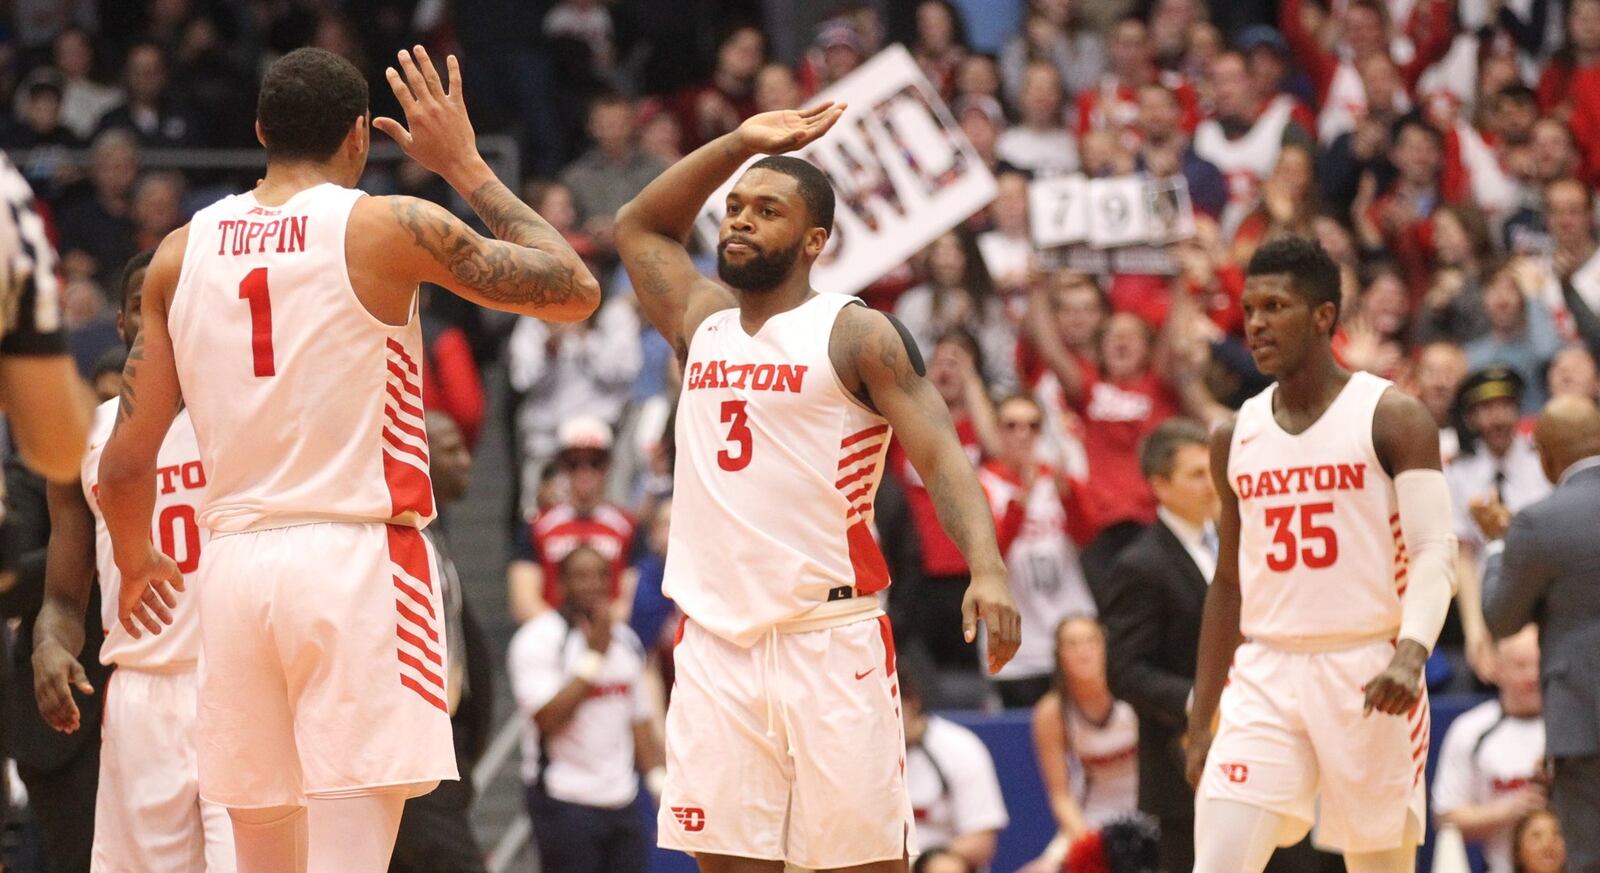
(1208,541)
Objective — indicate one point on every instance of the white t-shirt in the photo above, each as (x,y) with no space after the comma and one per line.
(1042,152)
(1487,755)
(954,791)
(590,762)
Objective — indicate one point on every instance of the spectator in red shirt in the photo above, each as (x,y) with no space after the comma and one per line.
(1399,219)
(1560,81)
(1114,104)
(717,106)
(941,44)
(582,518)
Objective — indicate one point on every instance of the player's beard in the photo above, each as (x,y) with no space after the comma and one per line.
(762,272)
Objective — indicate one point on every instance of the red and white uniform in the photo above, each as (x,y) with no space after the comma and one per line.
(317,601)
(148,812)
(1322,570)
(557,531)
(1247,161)
(784,738)
(1488,755)
(1108,753)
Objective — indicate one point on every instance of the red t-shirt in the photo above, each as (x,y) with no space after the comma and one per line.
(1117,416)
(940,557)
(558,530)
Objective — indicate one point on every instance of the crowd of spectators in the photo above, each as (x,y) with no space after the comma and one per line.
(1444,153)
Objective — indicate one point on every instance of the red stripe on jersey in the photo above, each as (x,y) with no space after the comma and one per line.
(397,348)
(401,375)
(414,618)
(867,452)
(400,400)
(859,493)
(423,693)
(402,425)
(409,491)
(413,663)
(888,644)
(401,632)
(860,435)
(866,559)
(868,470)
(410,553)
(403,446)
(414,594)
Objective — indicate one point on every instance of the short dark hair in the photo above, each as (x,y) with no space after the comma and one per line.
(309,99)
(1159,451)
(1312,274)
(815,189)
(579,550)
(135,264)
(1415,120)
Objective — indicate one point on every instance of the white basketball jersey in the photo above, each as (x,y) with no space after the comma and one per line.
(180,482)
(1320,553)
(1109,754)
(1246,161)
(776,470)
(306,407)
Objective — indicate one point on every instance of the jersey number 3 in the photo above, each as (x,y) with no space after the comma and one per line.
(738,422)
(253,288)
(1288,547)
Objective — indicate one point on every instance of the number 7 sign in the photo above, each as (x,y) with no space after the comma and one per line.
(1058,211)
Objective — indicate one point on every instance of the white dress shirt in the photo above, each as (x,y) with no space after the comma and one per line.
(1200,542)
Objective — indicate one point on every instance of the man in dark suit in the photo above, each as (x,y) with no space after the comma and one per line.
(1151,610)
(1547,570)
(1153,600)
(59,770)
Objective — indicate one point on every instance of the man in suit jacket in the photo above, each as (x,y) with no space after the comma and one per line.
(1547,570)
(1153,598)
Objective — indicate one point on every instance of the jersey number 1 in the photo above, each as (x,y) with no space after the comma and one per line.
(738,422)
(1287,549)
(253,288)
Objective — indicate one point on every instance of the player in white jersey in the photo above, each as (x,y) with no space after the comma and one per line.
(149,817)
(784,740)
(1335,574)
(286,320)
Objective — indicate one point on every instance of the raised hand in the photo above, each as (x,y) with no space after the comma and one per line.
(438,134)
(784,130)
(146,597)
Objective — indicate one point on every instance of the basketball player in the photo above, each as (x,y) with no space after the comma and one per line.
(286,319)
(1335,573)
(148,812)
(784,740)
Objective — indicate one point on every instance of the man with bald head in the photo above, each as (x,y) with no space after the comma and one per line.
(1544,567)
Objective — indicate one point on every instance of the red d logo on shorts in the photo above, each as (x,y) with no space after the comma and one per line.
(691,818)
(1236,773)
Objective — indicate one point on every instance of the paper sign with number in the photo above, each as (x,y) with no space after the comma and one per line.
(1058,210)
(1118,212)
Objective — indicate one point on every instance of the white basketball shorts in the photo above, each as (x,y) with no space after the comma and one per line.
(790,750)
(324,665)
(148,815)
(1293,739)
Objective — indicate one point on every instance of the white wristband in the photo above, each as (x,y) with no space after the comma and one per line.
(589,665)
(655,781)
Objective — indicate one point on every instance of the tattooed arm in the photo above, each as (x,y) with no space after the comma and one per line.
(150,400)
(529,270)
(651,229)
(870,357)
